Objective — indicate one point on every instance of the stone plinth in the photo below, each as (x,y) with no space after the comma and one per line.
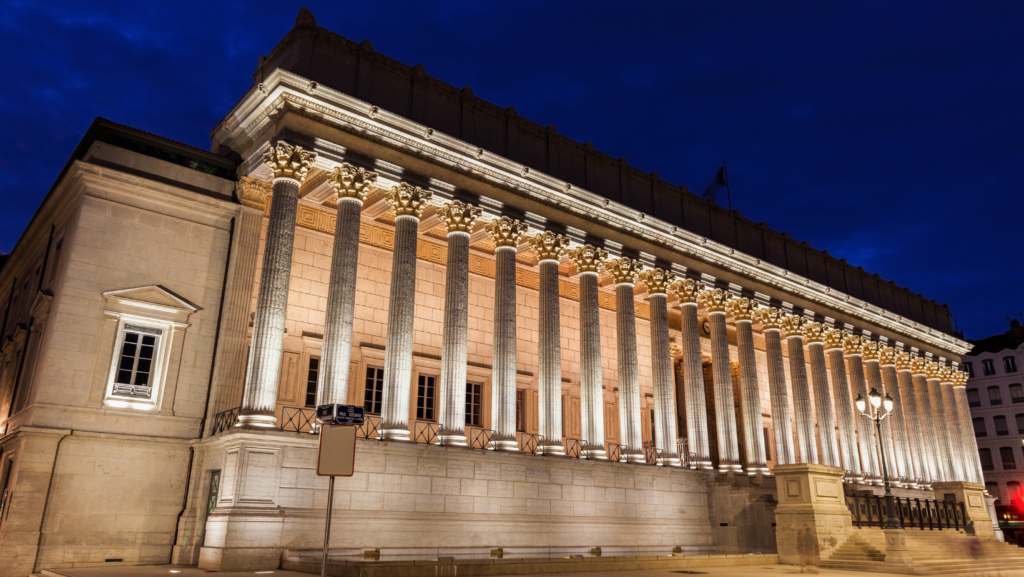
(812,517)
(973,497)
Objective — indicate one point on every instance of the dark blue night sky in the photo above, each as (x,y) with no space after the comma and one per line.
(890,133)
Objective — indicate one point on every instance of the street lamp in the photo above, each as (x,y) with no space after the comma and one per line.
(880,409)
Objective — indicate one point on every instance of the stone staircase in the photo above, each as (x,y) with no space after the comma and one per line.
(933,553)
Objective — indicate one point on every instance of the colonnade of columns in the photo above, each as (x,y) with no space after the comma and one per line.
(928,439)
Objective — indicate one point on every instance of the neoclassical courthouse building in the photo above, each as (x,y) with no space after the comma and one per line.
(556,351)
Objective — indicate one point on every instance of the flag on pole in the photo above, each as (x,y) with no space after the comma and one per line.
(716,184)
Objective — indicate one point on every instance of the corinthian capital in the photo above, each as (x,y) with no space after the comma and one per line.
(506,231)
(904,361)
(686,290)
(834,339)
(253,192)
(960,379)
(674,350)
(869,350)
(852,345)
(769,317)
(624,269)
(458,216)
(793,325)
(886,356)
(588,258)
(919,366)
(351,181)
(742,309)
(947,374)
(289,161)
(657,280)
(715,300)
(813,332)
(933,370)
(548,245)
(408,200)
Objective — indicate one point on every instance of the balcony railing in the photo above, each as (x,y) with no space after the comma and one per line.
(297,419)
(528,442)
(650,453)
(225,420)
(869,511)
(425,433)
(574,448)
(480,438)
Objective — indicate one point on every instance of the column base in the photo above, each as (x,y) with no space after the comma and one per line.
(453,440)
(257,421)
(596,454)
(704,466)
(550,449)
(507,445)
(755,470)
(400,435)
(730,468)
(634,458)
(671,461)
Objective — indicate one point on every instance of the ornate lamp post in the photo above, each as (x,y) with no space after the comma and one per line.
(878,410)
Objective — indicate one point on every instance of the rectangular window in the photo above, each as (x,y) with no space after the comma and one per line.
(1006,454)
(425,398)
(473,402)
(986,459)
(1010,364)
(988,367)
(56,261)
(972,398)
(994,396)
(520,409)
(767,445)
(1016,393)
(136,363)
(1020,423)
(979,427)
(969,367)
(374,396)
(312,377)
(999,422)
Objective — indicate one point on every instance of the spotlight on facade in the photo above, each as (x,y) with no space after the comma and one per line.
(861,404)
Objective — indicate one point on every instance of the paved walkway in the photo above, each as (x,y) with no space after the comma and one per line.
(750,571)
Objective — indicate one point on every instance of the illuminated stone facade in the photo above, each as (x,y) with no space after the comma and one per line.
(457,272)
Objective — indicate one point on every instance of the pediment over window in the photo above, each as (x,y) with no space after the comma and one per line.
(152,301)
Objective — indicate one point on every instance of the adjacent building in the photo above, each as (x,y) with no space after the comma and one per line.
(556,350)
(995,392)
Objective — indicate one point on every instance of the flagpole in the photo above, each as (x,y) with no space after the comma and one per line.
(728,192)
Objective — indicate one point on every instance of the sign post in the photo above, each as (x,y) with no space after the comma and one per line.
(337,455)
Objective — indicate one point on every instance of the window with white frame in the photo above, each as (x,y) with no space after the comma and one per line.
(136,363)
(1009,364)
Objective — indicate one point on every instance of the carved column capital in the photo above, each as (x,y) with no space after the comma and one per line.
(657,280)
(408,200)
(947,374)
(933,370)
(715,300)
(793,325)
(253,192)
(287,161)
(769,317)
(886,356)
(686,290)
(918,365)
(351,181)
(548,245)
(506,231)
(675,350)
(960,378)
(852,345)
(903,361)
(742,308)
(588,258)
(834,339)
(813,332)
(624,269)
(458,216)
(869,350)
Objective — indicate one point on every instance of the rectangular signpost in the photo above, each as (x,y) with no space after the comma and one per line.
(337,454)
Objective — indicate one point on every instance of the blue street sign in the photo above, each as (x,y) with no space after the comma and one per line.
(340,414)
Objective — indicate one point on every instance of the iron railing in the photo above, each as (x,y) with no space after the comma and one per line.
(425,433)
(528,443)
(869,511)
(650,453)
(614,452)
(370,429)
(480,438)
(297,419)
(225,420)
(574,448)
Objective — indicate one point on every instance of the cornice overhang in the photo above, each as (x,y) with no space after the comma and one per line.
(282,91)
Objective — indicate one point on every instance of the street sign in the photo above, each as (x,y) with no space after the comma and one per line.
(340,415)
(337,455)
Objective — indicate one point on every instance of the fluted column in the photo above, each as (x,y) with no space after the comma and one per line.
(459,219)
(956,439)
(715,301)
(852,346)
(900,442)
(793,326)
(259,398)
(945,443)
(814,336)
(845,417)
(742,310)
(972,461)
(624,271)
(408,202)
(549,248)
(873,373)
(505,232)
(664,385)
(912,416)
(588,261)
(686,290)
(771,324)
(918,369)
(350,184)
